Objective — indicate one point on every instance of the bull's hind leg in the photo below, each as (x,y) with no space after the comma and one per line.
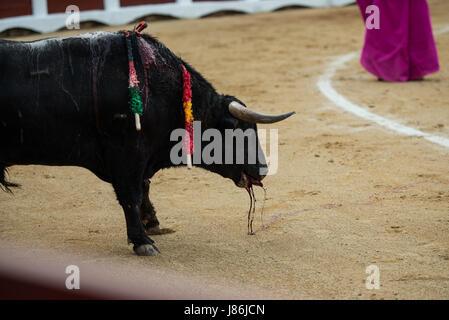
(148,213)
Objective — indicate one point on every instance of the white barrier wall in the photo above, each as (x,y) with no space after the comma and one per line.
(118,12)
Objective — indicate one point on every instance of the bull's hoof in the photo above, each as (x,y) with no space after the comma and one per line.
(158,231)
(146,250)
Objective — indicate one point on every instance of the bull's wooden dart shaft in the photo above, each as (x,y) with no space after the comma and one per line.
(189,161)
(138,126)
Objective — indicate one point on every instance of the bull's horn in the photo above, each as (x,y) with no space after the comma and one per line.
(245,114)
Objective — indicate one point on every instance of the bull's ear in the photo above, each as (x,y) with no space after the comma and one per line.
(230,123)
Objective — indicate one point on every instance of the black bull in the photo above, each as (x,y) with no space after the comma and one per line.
(64,102)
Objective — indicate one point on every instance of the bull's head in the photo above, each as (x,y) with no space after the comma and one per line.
(245,162)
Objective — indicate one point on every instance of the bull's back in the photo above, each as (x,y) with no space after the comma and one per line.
(56,94)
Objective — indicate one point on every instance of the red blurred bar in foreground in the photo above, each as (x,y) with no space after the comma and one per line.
(36,273)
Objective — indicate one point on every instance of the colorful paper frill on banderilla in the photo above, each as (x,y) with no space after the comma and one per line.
(188,113)
(135,101)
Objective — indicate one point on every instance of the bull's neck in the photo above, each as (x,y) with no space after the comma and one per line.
(206,104)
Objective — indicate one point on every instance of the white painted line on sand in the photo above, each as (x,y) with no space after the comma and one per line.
(442,29)
(325,85)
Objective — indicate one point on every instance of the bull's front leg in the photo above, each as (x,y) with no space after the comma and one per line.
(128,188)
(148,213)
(143,245)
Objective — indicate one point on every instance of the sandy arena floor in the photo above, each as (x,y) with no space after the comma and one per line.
(348,193)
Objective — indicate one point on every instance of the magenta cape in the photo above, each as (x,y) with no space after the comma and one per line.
(403,48)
